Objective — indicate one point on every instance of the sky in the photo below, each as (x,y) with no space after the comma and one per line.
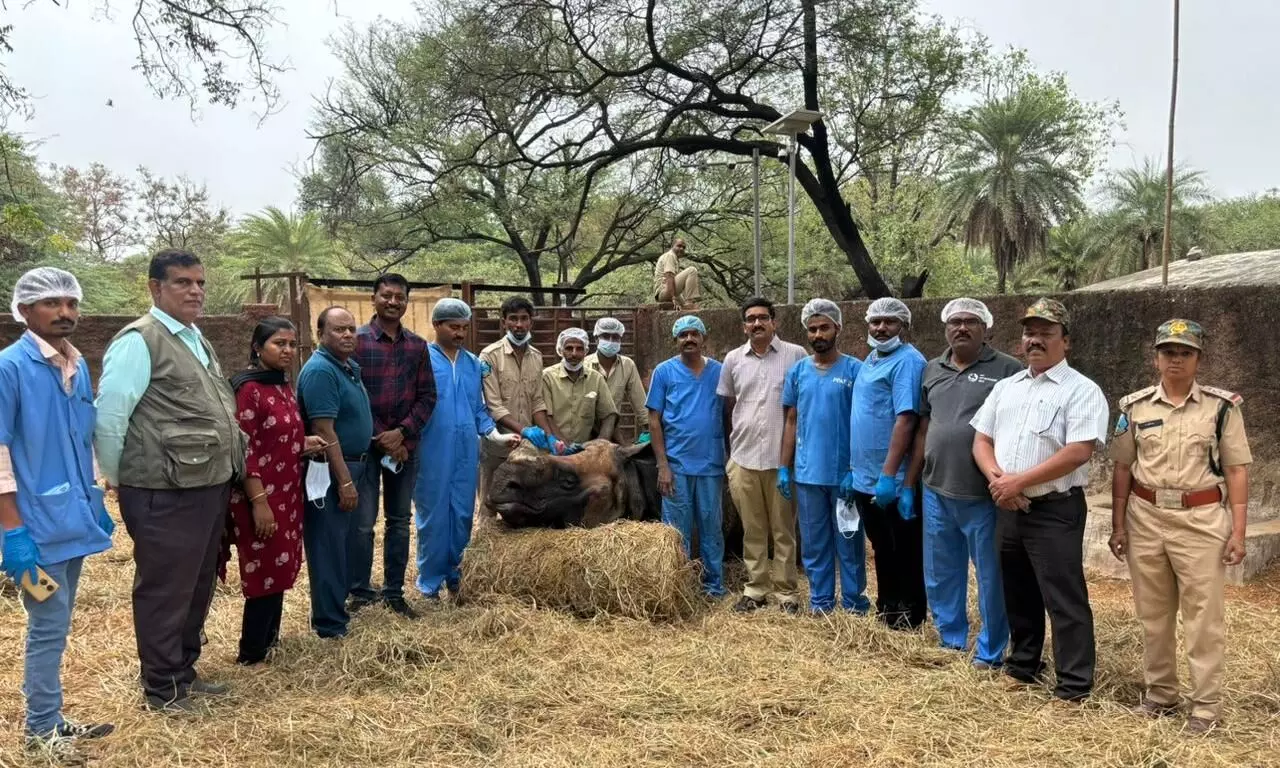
(74,61)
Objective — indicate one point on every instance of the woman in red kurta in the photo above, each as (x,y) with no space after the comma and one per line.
(266,513)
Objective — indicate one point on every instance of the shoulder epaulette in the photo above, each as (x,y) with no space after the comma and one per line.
(1134,397)
(1227,395)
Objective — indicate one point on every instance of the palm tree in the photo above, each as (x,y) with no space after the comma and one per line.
(1007,182)
(1134,225)
(1074,254)
(274,241)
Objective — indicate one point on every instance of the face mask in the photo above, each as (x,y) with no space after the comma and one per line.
(518,341)
(571,367)
(392,465)
(847,518)
(317,482)
(884,347)
(609,348)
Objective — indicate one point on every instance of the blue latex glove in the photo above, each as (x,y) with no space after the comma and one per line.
(886,491)
(574,448)
(536,436)
(20,555)
(784,482)
(643,438)
(907,503)
(846,487)
(105,522)
(100,511)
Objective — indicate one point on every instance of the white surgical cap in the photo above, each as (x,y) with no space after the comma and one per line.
(889,307)
(609,325)
(964,305)
(43,283)
(571,333)
(824,307)
(450,309)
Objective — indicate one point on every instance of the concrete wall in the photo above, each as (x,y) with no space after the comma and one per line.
(1110,342)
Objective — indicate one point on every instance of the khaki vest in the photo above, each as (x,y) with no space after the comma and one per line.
(183,432)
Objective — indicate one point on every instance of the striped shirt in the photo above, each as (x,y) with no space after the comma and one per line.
(755,383)
(1030,418)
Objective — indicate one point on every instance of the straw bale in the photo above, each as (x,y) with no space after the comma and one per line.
(626,568)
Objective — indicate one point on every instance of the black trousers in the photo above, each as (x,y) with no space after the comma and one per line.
(899,546)
(260,627)
(176,536)
(1042,564)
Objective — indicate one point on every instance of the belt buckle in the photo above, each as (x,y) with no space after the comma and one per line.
(1168,499)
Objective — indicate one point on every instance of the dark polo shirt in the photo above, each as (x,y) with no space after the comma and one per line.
(949,399)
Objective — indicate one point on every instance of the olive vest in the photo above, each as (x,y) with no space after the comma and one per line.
(183,433)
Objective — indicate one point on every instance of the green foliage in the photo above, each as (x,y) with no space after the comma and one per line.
(274,241)
(1132,225)
(1242,224)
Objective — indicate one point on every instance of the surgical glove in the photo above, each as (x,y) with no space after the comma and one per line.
(507,440)
(643,438)
(536,436)
(105,522)
(784,482)
(886,491)
(907,503)
(846,487)
(574,448)
(20,555)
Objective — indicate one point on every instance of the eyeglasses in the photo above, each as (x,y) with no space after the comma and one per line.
(753,319)
(964,322)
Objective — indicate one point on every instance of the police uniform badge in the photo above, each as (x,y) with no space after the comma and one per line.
(1122,424)
(485,369)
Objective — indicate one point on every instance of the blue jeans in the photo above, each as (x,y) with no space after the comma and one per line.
(696,506)
(823,548)
(326,533)
(47,626)
(397,510)
(955,532)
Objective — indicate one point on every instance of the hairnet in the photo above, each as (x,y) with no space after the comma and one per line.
(571,333)
(43,283)
(450,309)
(609,325)
(824,307)
(889,307)
(969,306)
(688,323)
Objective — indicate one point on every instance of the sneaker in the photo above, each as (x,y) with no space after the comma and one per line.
(747,604)
(1200,726)
(1153,709)
(791,608)
(70,730)
(398,605)
(183,706)
(206,688)
(357,604)
(54,750)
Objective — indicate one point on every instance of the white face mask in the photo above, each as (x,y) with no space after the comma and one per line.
(884,347)
(317,481)
(518,341)
(571,367)
(847,518)
(609,348)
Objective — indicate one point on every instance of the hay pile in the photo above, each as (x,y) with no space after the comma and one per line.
(637,570)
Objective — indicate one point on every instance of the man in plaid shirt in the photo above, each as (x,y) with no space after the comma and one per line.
(402,392)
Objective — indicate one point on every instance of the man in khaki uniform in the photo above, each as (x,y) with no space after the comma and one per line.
(579,404)
(511,375)
(1178,445)
(671,283)
(620,371)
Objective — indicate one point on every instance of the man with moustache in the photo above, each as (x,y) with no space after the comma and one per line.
(1033,439)
(959,515)
(579,403)
(168,439)
(817,396)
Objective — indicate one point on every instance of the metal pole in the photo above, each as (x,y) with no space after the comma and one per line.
(1167,245)
(791,223)
(755,186)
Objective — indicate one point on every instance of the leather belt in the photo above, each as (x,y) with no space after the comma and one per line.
(1174,499)
(356,459)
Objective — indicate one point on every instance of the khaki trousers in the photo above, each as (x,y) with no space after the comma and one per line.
(688,287)
(1175,561)
(765,515)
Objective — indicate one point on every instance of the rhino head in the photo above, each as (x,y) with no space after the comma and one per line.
(603,483)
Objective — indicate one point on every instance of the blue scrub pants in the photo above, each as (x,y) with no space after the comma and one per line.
(443,511)
(823,548)
(697,503)
(326,537)
(955,532)
(48,624)
(397,509)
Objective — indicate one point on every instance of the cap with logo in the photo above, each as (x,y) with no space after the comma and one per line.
(1048,309)
(1188,333)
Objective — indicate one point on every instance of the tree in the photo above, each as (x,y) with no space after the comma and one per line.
(1242,224)
(1073,256)
(1012,178)
(32,216)
(274,241)
(1134,222)
(192,49)
(101,206)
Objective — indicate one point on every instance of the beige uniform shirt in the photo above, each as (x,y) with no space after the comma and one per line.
(667,264)
(512,388)
(577,406)
(1168,446)
(625,383)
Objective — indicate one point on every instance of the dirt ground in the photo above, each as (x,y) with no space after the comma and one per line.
(501,683)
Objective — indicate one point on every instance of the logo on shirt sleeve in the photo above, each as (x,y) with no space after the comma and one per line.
(1122,424)
(485,369)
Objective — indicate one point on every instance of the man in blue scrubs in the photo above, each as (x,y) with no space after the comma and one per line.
(51,511)
(687,431)
(445,494)
(817,394)
(886,401)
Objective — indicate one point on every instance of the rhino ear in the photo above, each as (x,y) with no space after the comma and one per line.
(627,452)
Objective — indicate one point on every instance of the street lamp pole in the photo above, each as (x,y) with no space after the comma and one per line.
(792,125)
(755,229)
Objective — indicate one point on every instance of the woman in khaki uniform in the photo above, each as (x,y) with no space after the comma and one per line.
(1181,461)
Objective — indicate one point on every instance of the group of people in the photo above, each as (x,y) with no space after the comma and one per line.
(971,456)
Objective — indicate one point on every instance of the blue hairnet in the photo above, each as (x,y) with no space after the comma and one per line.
(450,309)
(688,323)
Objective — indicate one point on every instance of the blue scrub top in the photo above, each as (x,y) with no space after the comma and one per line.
(822,399)
(885,388)
(692,417)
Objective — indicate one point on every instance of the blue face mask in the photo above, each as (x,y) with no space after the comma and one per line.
(609,348)
(518,341)
(884,347)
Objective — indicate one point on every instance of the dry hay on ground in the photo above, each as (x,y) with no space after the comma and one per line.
(499,683)
(631,569)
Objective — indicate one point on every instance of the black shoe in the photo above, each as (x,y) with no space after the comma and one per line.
(182,706)
(74,730)
(206,688)
(747,604)
(357,604)
(398,605)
